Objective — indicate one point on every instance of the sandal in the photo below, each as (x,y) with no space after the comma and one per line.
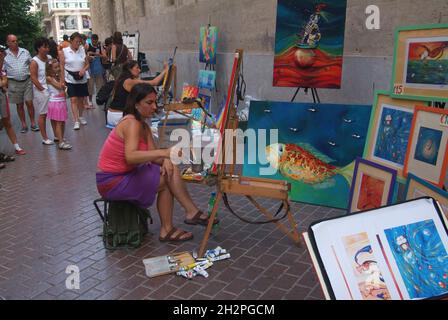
(197,220)
(178,238)
(5,158)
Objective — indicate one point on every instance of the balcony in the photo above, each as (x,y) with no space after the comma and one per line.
(57,5)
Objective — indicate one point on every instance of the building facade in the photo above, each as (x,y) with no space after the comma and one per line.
(64,17)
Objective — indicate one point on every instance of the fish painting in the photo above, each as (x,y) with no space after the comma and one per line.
(297,163)
(314,151)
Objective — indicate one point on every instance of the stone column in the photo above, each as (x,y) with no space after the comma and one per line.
(103,17)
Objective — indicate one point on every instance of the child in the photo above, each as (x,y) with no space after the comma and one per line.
(57,106)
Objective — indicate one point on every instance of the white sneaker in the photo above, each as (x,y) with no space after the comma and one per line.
(83,121)
(76,127)
(47,142)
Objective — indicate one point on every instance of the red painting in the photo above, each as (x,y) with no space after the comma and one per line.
(370,193)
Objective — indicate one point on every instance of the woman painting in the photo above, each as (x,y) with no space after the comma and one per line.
(128,79)
(131,168)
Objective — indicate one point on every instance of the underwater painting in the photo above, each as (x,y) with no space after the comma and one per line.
(309,43)
(427,63)
(393,134)
(371,193)
(428,145)
(365,267)
(316,149)
(421,258)
(208,42)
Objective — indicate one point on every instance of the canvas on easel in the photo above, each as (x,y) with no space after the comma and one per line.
(309,43)
(391,253)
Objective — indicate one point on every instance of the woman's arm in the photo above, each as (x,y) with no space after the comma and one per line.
(130,83)
(131,135)
(33,73)
(62,66)
(86,66)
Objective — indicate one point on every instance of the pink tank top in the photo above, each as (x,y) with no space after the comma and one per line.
(112,157)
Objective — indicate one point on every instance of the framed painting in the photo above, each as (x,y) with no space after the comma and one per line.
(427,155)
(389,130)
(316,149)
(208,42)
(421,63)
(373,186)
(417,188)
(207,79)
(309,43)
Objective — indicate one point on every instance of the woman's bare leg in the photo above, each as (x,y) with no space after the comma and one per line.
(180,192)
(165,206)
(75,111)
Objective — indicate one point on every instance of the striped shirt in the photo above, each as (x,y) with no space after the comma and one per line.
(17,68)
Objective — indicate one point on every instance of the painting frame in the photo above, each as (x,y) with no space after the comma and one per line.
(383,100)
(365,168)
(415,183)
(398,86)
(430,119)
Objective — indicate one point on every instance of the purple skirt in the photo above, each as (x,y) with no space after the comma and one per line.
(138,186)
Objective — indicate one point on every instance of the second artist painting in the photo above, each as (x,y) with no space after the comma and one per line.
(309,43)
(316,148)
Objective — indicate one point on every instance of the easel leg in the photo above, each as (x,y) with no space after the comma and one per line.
(295,234)
(211,219)
(295,94)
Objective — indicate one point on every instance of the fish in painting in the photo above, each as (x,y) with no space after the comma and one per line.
(304,163)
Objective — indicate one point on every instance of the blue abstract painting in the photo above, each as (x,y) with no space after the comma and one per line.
(393,135)
(207,79)
(428,145)
(316,149)
(421,258)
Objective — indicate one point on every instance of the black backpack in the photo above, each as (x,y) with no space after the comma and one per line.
(104,93)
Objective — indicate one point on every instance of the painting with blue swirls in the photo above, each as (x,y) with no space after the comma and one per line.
(428,145)
(421,257)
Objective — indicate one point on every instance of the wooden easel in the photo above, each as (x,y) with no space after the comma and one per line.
(228,182)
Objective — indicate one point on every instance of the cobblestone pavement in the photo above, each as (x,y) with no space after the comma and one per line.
(47,222)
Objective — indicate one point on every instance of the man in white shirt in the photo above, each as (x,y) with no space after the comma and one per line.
(17,67)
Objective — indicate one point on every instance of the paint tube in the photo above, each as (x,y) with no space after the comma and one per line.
(223,257)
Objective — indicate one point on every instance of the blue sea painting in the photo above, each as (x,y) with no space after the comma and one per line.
(393,135)
(421,257)
(428,63)
(428,145)
(316,149)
